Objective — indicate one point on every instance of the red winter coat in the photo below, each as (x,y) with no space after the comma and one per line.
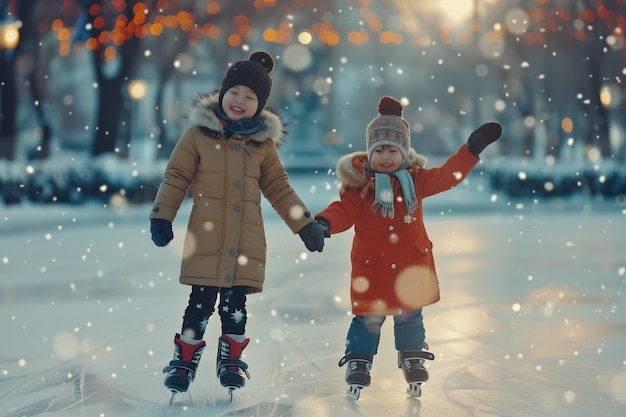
(393,269)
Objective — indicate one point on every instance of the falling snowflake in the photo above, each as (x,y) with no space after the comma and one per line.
(199,306)
(237,316)
(408,219)
(386,196)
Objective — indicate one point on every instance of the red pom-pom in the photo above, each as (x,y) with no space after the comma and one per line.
(389,106)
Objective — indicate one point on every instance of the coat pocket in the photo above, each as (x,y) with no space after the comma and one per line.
(366,258)
(425,247)
(425,260)
(205,228)
(417,286)
(365,276)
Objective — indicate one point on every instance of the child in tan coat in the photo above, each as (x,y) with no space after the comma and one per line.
(229,157)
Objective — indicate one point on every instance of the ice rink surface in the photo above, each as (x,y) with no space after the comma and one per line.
(531,320)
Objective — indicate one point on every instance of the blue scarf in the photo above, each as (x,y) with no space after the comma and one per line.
(241,126)
(383,199)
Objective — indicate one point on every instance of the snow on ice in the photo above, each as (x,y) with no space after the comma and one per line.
(529,323)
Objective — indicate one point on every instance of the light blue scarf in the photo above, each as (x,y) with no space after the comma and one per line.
(383,200)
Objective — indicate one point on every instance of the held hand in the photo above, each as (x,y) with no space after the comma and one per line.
(483,136)
(324,225)
(312,236)
(161,231)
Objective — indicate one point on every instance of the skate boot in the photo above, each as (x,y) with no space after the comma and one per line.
(357,373)
(182,368)
(412,364)
(231,370)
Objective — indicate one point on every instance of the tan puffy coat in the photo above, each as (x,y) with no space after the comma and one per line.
(225,240)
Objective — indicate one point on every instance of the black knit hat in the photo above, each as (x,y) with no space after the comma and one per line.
(253,73)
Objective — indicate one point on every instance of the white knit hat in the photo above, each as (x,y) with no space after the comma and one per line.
(388,128)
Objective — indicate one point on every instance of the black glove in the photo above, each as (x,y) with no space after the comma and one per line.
(161,231)
(483,136)
(325,225)
(312,236)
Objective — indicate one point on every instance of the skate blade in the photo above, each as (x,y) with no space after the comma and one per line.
(231,389)
(414,390)
(180,398)
(354,391)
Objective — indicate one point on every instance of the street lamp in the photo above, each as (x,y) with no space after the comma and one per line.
(9,36)
(137,89)
(140,148)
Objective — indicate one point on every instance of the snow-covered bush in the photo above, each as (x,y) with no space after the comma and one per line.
(528,179)
(75,179)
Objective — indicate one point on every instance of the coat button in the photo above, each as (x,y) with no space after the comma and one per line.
(400,311)
(367,261)
(231,253)
(227,278)
(426,250)
(237,184)
(393,266)
(390,227)
(236,208)
(237,146)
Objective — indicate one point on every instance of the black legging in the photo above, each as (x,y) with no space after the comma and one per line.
(232,310)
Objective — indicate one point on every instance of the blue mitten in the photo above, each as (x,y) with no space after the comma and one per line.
(313,236)
(483,136)
(161,231)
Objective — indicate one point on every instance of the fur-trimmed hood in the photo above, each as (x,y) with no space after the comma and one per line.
(201,113)
(354,169)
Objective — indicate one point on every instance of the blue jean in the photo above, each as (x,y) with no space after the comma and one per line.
(364,332)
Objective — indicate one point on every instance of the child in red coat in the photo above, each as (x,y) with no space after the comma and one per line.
(393,270)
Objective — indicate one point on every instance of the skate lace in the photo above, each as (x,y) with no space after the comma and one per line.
(178,356)
(224,354)
(409,363)
(360,366)
(224,349)
(196,356)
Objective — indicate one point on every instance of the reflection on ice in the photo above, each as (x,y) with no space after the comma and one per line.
(526,323)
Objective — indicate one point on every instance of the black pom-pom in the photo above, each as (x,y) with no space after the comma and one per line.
(264,59)
(389,106)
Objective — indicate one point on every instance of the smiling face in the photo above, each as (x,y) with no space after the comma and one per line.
(386,159)
(240,102)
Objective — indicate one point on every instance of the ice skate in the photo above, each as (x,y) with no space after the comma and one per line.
(231,370)
(412,364)
(181,370)
(357,372)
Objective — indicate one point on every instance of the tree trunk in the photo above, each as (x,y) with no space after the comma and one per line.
(8,107)
(110,105)
(8,87)
(112,102)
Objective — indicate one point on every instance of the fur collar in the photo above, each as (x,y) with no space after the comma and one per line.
(200,113)
(353,169)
